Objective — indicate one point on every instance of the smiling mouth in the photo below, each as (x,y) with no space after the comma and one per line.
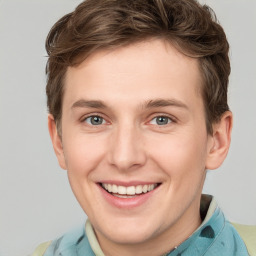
(128,192)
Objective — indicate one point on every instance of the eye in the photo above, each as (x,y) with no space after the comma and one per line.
(161,120)
(95,120)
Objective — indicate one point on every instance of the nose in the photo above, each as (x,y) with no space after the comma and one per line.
(126,151)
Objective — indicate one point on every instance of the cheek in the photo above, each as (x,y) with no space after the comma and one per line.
(83,154)
(180,156)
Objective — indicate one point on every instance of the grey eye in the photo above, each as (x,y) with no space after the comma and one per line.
(95,120)
(161,120)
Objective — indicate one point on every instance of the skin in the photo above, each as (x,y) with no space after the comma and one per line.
(131,145)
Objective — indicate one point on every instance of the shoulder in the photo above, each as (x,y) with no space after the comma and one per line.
(248,234)
(40,250)
(71,243)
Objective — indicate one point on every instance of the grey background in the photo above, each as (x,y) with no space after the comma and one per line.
(36,203)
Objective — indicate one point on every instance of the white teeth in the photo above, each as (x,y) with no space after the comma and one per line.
(138,189)
(121,190)
(114,189)
(124,196)
(109,188)
(131,190)
(145,189)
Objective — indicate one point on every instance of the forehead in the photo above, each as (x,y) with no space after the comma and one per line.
(142,70)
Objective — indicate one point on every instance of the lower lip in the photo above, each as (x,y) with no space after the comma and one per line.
(127,203)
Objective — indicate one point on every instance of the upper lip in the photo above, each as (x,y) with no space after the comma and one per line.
(129,183)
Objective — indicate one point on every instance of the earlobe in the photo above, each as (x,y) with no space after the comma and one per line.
(221,139)
(56,141)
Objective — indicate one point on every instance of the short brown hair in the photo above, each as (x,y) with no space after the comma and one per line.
(105,24)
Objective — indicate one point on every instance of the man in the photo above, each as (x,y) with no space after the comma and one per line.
(138,112)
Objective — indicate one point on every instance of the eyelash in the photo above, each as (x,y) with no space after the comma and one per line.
(94,116)
(170,119)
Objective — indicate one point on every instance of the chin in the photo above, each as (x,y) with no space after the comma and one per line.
(135,232)
(130,237)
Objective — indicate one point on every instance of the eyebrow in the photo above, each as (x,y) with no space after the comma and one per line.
(149,104)
(89,104)
(165,103)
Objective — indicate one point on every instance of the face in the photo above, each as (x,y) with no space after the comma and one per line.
(134,142)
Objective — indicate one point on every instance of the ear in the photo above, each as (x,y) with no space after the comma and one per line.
(56,141)
(220,141)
